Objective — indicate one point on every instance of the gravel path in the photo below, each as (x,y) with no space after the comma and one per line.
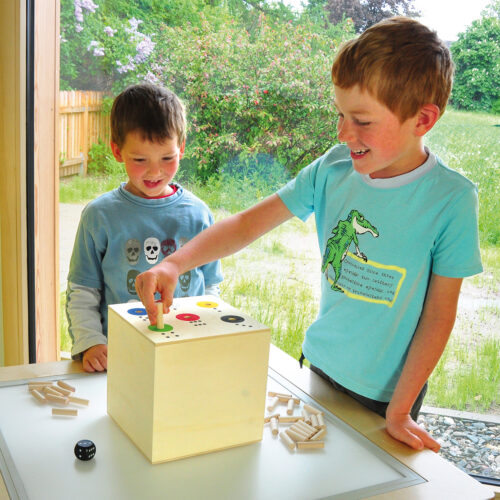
(471,445)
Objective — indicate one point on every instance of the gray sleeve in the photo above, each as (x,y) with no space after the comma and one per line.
(212,290)
(84,318)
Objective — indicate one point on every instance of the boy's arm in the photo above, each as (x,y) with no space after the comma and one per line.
(85,328)
(223,238)
(213,290)
(429,341)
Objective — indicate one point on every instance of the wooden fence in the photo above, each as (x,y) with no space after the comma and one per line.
(82,123)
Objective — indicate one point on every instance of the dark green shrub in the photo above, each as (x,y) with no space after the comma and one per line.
(476,54)
(102,161)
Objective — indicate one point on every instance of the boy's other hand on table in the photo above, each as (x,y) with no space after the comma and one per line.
(403,428)
(95,359)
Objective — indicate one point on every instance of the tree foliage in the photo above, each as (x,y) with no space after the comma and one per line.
(365,13)
(476,54)
(256,81)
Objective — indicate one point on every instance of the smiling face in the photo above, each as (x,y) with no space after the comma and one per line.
(380,144)
(150,166)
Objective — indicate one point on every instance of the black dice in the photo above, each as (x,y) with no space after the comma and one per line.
(85,449)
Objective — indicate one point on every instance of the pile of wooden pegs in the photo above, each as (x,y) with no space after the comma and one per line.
(59,394)
(307,429)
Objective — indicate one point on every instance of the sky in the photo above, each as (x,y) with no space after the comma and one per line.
(450,17)
(447,17)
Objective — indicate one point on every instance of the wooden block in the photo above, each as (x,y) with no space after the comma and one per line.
(79,401)
(38,396)
(64,385)
(289,442)
(197,388)
(68,412)
(310,444)
(159,316)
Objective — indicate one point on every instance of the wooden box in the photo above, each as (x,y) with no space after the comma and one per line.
(196,386)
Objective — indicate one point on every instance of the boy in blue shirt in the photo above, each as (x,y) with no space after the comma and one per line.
(124,232)
(397,229)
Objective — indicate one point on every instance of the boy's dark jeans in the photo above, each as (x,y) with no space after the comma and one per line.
(376,406)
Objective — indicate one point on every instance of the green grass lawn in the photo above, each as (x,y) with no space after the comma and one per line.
(276,279)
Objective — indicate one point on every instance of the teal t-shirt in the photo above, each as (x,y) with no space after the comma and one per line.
(380,240)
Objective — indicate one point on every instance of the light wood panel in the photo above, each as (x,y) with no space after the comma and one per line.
(47,180)
(13,185)
(13,188)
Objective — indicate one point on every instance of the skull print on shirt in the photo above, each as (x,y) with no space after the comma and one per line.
(132,250)
(185,281)
(168,247)
(131,275)
(152,250)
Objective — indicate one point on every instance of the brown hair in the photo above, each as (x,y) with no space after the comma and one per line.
(401,62)
(155,112)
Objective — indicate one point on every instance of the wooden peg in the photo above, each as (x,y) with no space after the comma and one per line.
(50,390)
(38,396)
(159,316)
(290,405)
(60,390)
(300,432)
(305,414)
(274,426)
(285,399)
(69,412)
(311,409)
(294,436)
(64,385)
(57,399)
(306,428)
(321,421)
(79,401)
(310,444)
(314,421)
(269,417)
(289,442)
(38,385)
(285,419)
(318,435)
(273,403)
(279,395)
